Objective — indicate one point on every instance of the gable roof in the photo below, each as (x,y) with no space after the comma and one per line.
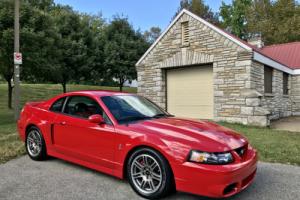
(268,57)
(288,53)
(184,11)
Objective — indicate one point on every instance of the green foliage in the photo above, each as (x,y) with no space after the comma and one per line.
(276,21)
(199,8)
(6,39)
(62,46)
(234,17)
(123,48)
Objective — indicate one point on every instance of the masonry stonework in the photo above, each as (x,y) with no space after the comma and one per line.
(295,94)
(238,80)
(275,105)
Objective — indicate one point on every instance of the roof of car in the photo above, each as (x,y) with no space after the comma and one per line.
(99,93)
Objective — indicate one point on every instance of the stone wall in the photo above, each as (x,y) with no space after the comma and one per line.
(231,67)
(295,94)
(238,80)
(276,104)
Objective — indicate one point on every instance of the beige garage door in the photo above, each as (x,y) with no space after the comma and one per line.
(190,92)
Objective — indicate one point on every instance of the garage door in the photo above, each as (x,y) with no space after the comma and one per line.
(190,92)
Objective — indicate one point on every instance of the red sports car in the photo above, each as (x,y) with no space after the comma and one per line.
(128,136)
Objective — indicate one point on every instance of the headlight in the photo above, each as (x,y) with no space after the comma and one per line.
(210,158)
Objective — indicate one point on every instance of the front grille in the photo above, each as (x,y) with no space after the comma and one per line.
(241,151)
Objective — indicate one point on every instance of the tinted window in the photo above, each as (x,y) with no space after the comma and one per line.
(81,106)
(57,105)
(131,108)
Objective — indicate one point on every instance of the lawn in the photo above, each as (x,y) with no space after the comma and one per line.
(272,145)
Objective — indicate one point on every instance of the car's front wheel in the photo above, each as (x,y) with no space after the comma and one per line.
(35,144)
(149,174)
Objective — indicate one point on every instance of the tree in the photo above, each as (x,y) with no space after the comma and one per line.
(278,21)
(36,39)
(258,18)
(234,17)
(7,45)
(93,38)
(44,5)
(123,48)
(152,34)
(199,8)
(69,51)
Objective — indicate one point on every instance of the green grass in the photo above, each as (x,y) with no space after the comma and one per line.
(10,144)
(272,145)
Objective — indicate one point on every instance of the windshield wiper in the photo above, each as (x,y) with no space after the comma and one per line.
(162,115)
(134,118)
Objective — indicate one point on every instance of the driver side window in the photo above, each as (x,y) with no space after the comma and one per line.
(84,107)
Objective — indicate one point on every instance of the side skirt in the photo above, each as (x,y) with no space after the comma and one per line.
(85,164)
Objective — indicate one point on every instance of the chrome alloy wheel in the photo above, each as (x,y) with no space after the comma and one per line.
(146,174)
(34,143)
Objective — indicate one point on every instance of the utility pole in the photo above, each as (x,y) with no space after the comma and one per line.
(17,65)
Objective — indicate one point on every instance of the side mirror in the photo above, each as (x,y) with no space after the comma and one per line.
(96,119)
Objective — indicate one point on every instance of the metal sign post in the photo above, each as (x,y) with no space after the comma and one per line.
(17,61)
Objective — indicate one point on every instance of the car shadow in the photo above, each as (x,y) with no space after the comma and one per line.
(83,168)
(256,187)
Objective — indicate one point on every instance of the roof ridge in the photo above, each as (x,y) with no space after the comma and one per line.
(282,44)
(221,31)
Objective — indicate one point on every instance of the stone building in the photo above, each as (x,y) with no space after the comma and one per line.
(198,70)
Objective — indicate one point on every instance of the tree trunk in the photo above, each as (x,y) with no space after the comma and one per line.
(64,85)
(121,83)
(121,87)
(10,90)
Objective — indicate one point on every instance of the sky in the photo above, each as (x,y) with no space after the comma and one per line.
(142,14)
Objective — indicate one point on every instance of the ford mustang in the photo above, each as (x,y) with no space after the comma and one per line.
(128,136)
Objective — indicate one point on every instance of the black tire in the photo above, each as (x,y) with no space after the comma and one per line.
(42,153)
(166,185)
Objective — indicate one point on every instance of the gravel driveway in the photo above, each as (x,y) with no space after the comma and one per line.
(55,179)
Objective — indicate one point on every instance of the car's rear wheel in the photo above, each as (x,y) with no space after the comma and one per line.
(149,174)
(35,144)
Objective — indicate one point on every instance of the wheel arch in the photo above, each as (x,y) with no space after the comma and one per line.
(30,125)
(132,150)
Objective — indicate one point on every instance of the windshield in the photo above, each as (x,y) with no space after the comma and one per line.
(129,108)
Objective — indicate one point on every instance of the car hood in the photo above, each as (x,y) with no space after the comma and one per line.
(202,135)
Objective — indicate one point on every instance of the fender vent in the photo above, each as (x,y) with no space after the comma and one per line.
(241,151)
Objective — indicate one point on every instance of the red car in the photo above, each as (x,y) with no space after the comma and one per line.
(128,136)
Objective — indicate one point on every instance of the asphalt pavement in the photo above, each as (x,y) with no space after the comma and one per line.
(55,179)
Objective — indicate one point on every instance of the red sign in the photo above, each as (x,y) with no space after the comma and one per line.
(17,58)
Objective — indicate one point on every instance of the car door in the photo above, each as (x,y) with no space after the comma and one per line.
(75,136)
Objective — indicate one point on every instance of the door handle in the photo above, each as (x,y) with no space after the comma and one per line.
(63,123)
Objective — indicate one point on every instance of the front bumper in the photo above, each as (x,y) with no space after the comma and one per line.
(217,180)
